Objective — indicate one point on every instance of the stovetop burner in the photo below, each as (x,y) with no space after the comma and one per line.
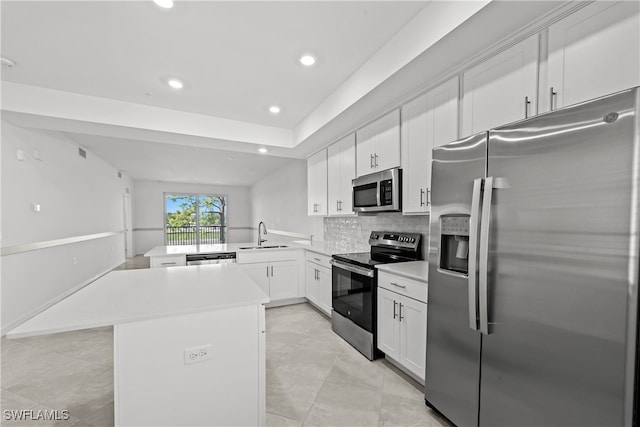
(360,258)
(386,248)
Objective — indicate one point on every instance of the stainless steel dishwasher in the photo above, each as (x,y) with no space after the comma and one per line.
(213,258)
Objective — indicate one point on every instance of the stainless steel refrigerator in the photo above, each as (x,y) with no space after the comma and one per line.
(533,270)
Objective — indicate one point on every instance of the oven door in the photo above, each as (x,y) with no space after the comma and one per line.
(353,293)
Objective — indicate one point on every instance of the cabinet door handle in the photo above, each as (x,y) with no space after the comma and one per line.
(552,98)
(394,309)
(371,161)
(400,312)
(267,271)
(272,271)
(526,106)
(421,196)
(376,156)
(168,263)
(340,205)
(399,286)
(428,197)
(318,259)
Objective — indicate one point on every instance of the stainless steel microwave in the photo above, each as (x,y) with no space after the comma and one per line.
(378,192)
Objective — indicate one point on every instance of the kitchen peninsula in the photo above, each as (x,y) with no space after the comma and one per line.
(188,342)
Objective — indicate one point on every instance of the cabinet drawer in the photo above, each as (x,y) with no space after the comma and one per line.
(321,260)
(168,261)
(265,255)
(403,286)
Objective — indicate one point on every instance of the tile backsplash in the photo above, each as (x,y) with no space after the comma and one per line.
(351,234)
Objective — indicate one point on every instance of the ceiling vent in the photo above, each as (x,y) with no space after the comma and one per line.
(82,153)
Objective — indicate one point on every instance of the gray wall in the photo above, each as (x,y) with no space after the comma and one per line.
(280,200)
(148,220)
(77,197)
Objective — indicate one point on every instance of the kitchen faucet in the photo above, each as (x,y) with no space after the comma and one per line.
(260,240)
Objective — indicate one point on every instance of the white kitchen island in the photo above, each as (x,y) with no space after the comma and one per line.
(162,319)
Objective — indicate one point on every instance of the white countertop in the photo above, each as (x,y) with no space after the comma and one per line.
(319,247)
(132,295)
(323,248)
(417,270)
(194,249)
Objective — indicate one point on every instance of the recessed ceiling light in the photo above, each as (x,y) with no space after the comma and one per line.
(175,83)
(166,4)
(307,60)
(274,109)
(262,150)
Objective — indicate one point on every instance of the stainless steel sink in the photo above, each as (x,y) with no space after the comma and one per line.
(265,247)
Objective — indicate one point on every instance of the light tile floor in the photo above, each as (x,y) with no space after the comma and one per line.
(313,377)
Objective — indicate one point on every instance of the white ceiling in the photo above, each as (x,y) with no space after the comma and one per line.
(96,70)
(236,59)
(178,163)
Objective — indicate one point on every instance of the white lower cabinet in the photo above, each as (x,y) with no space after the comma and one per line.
(318,278)
(402,325)
(388,324)
(283,280)
(260,274)
(279,279)
(275,272)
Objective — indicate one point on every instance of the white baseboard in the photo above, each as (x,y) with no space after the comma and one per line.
(318,309)
(286,301)
(55,300)
(404,370)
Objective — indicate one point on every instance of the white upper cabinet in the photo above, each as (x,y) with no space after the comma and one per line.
(502,89)
(428,121)
(317,184)
(342,170)
(593,52)
(378,145)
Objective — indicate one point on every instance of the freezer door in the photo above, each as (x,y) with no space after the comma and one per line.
(562,262)
(453,347)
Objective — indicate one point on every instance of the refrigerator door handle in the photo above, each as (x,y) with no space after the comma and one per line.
(473,253)
(484,256)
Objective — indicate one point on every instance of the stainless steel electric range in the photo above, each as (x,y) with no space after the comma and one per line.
(354,286)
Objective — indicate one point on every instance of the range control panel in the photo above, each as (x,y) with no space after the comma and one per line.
(387,238)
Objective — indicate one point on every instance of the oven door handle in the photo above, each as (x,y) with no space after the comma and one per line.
(353,268)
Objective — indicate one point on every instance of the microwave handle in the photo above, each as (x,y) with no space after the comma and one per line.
(378,193)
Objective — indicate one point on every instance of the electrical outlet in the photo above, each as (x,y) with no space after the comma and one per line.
(197,354)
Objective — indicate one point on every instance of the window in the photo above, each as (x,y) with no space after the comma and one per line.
(195,219)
